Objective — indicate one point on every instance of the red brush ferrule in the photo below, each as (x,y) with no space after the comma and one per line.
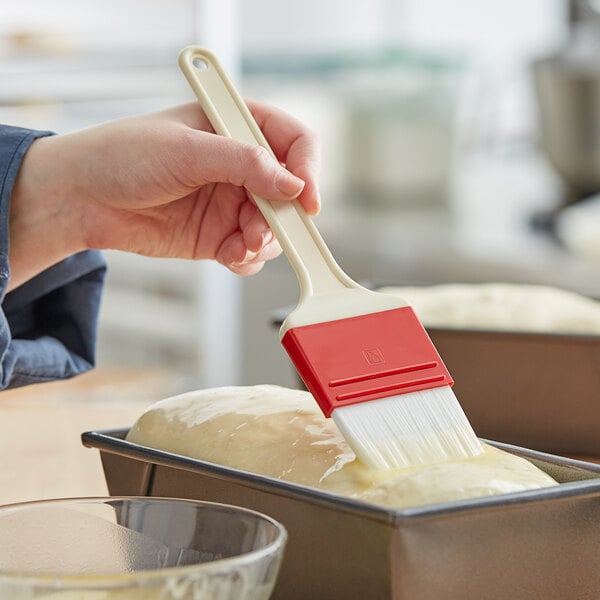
(362,358)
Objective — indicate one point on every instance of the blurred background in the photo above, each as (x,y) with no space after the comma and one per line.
(461,144)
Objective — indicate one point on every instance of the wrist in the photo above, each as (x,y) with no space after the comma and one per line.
(44,222)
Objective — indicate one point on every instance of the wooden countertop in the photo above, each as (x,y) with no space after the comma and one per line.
(41,455)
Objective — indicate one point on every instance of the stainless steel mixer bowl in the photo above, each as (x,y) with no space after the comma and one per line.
(568,100)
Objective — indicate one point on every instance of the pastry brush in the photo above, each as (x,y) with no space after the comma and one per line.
(363,355)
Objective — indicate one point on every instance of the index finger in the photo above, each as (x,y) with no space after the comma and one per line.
(295,145)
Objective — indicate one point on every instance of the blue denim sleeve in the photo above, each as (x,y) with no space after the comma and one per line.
(48,326)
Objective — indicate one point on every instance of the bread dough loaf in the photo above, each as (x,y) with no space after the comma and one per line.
(281,433)
(497,306)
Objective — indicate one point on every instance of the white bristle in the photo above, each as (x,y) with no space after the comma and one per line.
(408,430)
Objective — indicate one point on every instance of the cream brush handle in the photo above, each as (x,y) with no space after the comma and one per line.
(315,267)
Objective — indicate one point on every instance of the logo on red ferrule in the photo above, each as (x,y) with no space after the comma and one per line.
(373,356)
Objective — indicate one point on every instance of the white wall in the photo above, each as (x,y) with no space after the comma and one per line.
(88,23)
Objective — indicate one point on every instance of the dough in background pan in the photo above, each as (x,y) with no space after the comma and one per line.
(502,306)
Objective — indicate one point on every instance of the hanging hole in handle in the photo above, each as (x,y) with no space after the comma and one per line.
(200,64)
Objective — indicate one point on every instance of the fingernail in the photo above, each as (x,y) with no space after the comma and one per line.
(228,259)
(318,200)
(288,184)
(241,262)
(267,237)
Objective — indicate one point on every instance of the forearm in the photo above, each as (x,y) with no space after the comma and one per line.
(43,223)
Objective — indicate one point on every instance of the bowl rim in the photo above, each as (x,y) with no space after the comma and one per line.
(108,581)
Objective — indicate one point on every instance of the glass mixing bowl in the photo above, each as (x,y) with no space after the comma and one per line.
(133,548)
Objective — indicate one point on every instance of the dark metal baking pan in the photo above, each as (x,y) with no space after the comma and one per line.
(536,544)
(540,391)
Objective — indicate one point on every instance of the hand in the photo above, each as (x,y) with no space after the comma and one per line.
(160,185)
